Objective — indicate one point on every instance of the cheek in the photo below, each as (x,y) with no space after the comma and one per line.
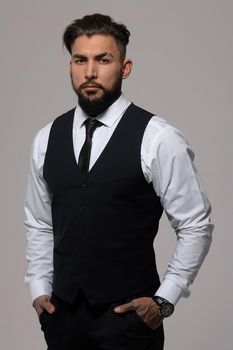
(77,76)
(110,77)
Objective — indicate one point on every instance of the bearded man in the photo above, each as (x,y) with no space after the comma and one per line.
(100,177)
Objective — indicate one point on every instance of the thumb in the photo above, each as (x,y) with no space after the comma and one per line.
(124,308)
(48,306)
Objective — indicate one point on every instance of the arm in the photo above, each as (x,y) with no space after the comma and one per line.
(183,198)
(167,162)
(38,223)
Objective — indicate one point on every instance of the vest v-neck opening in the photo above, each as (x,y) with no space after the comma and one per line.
(105,149)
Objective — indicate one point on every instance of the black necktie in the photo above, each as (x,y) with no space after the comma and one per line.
(84,156)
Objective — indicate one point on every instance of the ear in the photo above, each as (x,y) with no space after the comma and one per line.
(126,68)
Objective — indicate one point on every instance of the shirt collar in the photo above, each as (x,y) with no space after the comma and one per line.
(108,117)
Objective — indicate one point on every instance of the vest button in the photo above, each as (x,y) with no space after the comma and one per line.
(82,252)
(82,209)
(84,185)
(83,232)
(81,276)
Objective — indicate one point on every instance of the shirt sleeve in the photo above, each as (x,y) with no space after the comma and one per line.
(38,224)
(170,167)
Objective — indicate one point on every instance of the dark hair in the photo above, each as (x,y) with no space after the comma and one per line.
(97,24)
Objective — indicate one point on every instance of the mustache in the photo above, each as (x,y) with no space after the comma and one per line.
(91,83)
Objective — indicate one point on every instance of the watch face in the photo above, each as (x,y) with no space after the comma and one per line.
(166,309)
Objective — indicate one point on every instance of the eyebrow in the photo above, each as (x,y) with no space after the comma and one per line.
(99,56)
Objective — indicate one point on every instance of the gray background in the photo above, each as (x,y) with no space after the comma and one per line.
(183,54)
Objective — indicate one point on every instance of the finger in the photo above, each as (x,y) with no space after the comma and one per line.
(156,325)
(47,305)
(124,307)
(43,303)
(38,309)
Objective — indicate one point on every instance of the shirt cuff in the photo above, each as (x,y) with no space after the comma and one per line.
(169,291)
(39,287)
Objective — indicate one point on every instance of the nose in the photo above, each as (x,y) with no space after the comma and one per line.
(91,71)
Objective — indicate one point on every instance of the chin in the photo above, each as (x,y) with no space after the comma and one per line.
(92,96)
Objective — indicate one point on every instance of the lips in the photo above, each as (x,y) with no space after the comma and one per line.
(91,87)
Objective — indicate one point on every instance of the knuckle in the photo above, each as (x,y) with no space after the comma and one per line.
(133,303)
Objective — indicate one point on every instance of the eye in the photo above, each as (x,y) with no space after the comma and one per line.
(104,60)
(79,60)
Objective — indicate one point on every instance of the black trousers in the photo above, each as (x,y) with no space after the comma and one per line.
(80,326)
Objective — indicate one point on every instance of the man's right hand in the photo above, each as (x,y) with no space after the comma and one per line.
(43,303)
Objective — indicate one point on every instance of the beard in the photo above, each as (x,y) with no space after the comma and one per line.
(92,105)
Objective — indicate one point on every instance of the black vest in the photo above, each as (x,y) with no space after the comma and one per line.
(104,223)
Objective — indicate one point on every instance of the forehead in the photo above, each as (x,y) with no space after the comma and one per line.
(95,44)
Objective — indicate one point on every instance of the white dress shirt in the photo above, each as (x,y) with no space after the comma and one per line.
(167,162)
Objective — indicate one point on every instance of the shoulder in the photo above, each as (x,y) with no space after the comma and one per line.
(158,128)
(68,115)
(162,137)
(40,141)
(39,145)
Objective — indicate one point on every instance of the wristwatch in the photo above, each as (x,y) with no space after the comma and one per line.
(166,308)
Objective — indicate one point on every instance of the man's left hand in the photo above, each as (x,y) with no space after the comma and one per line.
(146,308)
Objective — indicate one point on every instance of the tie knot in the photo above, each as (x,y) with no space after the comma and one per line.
(91,125)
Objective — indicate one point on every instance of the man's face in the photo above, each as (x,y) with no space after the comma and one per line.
(97,70)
